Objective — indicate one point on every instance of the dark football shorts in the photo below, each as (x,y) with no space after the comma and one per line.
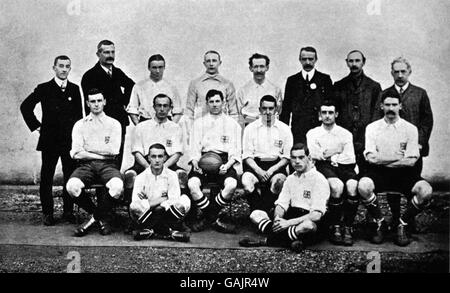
(341,171)
(265,165)
(393,179)
(215,178)
(96,171)
(139,168)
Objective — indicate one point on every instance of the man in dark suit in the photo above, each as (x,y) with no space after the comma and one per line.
(303,95)
(356,96)
(115,85)
(416,109)
(61,107)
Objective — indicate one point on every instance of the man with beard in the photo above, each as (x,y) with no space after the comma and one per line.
(392,149)
(248,97)
(356,96)
(304,93)
(115,85)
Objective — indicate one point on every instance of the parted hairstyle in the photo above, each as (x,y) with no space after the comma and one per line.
(212,93)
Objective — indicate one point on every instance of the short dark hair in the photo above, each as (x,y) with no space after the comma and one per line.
(390,93)
(268,98)
(156,57)
(93,91)
(258,56)
(300,146)
(157,146)
(308,49)
(60,57)
(162,96)
(212,51)
(357,51)
(329,103)
(212,93)
(104,43)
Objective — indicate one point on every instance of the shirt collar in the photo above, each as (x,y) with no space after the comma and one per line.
(395,125)
(261,124)
(106,69)
(100,117)
(60,82)
(404,87)
(216,76)
(306,174)
(310,74)
(330,131)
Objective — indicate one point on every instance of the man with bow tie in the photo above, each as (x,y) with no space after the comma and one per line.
(303,94)
(61,107)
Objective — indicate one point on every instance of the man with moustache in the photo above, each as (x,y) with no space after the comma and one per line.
(196,96)
(303,94)
(248,97)
(416,107)
(61,107)
(115,85)
(392,150)
(356,96)
(140,107)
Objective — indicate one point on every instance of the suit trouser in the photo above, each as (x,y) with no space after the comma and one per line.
(49,161)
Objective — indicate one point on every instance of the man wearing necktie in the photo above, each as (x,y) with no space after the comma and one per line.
(61,107)
(304,93)
(416,107)
(115,85)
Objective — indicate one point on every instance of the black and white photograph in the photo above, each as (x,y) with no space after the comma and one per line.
(219,143)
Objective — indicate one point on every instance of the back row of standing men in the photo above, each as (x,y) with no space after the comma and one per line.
(356,96)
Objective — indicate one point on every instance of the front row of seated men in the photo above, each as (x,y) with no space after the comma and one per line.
(287,209)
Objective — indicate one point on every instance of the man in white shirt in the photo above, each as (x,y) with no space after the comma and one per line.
(392,149)
(96,142)
(299,208)
(157,203)
(331,148)
(158,130)
(249,95)
(140,107)
(218,133)
(267,143)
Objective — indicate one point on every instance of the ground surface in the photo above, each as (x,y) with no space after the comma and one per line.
(27,246)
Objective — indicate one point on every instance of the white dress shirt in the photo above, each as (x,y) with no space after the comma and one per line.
(319,139)
(99,134)
(250,94)
(309,191)
(141,99)
(148,132)
(164,185)
(387,139)
(309,73)
(217,133)
(261,141)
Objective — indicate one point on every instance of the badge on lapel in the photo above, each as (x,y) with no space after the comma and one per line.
(313,86)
